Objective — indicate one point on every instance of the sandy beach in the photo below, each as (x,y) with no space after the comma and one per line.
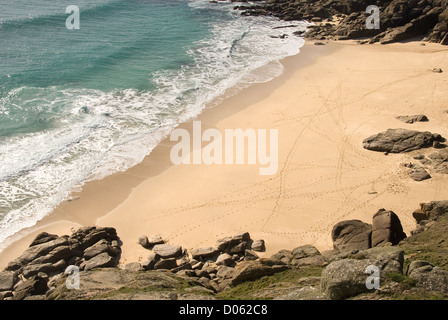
(328,100)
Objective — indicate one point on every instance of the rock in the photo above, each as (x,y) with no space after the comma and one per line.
(144,242)
(253,270)
(437,70)
(42,238)
(412,119)
(304,293)
(283,255)
(428,276)
(258,245)
(419,174)
(33,286)
(103,260)
(205,252)
(99,247)
(168,251)
(6,294)
(154,240)
(169,263)
(343,279)
(133,267)
(34,269)
(431,211)
(234,244)
(7,280)
(225,259)
(400,140)
(183,266)
(386,227)
(151,261)
(198,265)
(202,274)
(225,272)
(351,235)
(250,255)
(307,255)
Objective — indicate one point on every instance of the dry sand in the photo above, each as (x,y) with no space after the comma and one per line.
(327,101)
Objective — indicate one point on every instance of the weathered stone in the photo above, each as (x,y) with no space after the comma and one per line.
(151,261)
(225,259)
(250,255)
(253,270)
(283,255)
(198,265)
(103,260)
(168,251)
(99,247)
(259,245)
(419,174)
(153,240)
(33,286)
(413,118)
(386,227)
(42,238)
(225,272)
(204,252)
(34,269)
(133,267)
(7,280)
(400,140)
(351,235)
(229,244)
(169,263)
(428,276)
(144,242)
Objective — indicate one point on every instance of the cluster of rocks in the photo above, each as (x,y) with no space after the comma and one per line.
(399,19)
(437,161)
(352,235)
(231,261)
(48,256)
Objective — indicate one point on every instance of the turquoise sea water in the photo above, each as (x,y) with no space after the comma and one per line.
(82,104)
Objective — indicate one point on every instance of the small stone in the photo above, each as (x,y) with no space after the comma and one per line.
(259,245)
(437,70)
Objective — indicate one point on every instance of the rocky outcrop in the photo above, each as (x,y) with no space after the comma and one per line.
(351,235)
(346,19)
(412,119)
(49,255)
(401,140)
(428,213)
(386,229)
(428,276)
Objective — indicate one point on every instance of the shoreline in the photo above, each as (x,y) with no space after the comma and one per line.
(326,116)
(97,194)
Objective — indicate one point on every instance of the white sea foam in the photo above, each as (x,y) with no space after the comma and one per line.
(104,132)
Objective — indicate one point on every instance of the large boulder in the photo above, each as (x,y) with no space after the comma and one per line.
(235,244)
(33,286)
(386,228)
(346,275)
(351,235)
(169,263)
(307,255)
(204,252)
(7,280)
(400,140)
(428,276)
(168,251)
(253,270)
(430,211)
(42,238)
(103,260)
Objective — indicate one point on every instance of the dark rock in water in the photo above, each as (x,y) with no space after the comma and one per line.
(386,228)
(428,276)
(351,235)
(33,286)
(412,119)
(400,140)
(42,238)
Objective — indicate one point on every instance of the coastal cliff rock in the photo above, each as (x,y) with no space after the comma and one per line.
(351,235)
(386,228)
(346,19)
